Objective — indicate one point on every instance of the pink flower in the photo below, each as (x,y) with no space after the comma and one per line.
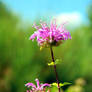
(39,86)
(53,35)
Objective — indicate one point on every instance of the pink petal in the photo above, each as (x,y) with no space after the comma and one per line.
(37,81)
(30,85)
(44,85)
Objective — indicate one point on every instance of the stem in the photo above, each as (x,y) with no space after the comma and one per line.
(52,55)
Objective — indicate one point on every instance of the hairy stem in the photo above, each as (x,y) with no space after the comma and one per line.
(52,55)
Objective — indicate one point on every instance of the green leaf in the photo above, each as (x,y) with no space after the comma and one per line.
(51,64)
(54,84)
(63,84)
(66,83)
(58,61)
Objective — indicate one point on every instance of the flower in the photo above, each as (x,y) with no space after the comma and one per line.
(53,35)
(39,87)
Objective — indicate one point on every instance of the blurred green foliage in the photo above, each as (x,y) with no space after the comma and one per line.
(21,60)
(78,86)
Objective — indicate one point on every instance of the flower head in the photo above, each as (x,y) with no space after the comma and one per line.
(53,35)
(39,87)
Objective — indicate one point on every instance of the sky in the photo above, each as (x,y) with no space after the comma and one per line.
(31,9)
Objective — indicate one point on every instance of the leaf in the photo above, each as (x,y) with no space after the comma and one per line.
(66,83)
(51,64)
(63,84)
(54,84)
(58,61)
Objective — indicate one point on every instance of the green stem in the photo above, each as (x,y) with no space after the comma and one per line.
(52,55)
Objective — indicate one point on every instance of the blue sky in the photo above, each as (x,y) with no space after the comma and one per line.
(29,9)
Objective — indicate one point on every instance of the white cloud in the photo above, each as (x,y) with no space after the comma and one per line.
(73,19)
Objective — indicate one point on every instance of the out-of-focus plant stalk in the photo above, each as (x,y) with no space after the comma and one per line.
(52,55)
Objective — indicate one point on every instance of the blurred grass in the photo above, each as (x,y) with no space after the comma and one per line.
(21,61)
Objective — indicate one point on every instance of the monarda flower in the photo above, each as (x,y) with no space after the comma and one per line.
(38,88)
(52,35)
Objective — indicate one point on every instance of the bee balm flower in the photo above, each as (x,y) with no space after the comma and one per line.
(50,35)
(39,87)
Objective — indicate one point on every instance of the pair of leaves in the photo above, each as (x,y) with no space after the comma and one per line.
(61,84)
(57,61)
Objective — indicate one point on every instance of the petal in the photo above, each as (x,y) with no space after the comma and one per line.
(35,26)
(44,85)
(27,91)
(30,85)
(37,81)
(31,91)
(32,37)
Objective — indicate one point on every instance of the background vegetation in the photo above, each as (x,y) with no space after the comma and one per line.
(21,61)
